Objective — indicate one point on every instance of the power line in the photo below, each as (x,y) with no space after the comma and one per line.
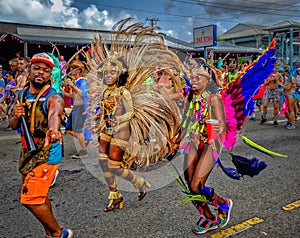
(132,9)
(235,7)
(248,8)
(277,5)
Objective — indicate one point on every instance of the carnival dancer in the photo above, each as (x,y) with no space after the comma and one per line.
(129,109)
(201,106)
(41,108)
(117,109)
(212,120)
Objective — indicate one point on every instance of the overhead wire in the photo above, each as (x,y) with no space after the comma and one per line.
(247,8)
(203,3)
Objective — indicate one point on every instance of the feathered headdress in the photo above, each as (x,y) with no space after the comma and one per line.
(56,73)
(155,117)
(197,68)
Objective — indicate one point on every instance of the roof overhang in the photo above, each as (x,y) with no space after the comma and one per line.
(75,37)
(55,40)
(283,26)
(34,35)
(69,36)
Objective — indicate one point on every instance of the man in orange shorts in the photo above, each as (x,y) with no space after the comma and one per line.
(38,111)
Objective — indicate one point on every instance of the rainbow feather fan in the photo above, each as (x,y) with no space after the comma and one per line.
(237,95)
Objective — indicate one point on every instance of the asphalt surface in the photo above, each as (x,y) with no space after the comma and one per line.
(79,195)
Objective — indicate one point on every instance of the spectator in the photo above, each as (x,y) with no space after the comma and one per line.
(282,96)
(18,55)
(13,64)
(2,72)
(298,89)
(290,90)
(271,95)
(2,95)
(21,75)
(259,101)
(9,92)
(62,64)
(77,117)
(232,72)
(220,61)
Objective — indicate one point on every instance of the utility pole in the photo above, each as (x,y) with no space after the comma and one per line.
(152,21)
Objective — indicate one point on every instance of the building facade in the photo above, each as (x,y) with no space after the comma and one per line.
(30,39)
(258,36)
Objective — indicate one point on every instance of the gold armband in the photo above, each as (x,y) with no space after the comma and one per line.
(125,117)
(128,107)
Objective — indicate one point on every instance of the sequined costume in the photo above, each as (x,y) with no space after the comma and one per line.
(198,148)
(230,108)
(195,116)
(131,114)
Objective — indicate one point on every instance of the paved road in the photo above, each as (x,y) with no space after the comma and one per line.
(264,206)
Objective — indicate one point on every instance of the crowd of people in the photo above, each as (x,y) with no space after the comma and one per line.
(125,97)
(281,88)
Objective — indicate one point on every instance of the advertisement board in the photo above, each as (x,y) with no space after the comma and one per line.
(205,36)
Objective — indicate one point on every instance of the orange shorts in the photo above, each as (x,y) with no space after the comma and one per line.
(36,184)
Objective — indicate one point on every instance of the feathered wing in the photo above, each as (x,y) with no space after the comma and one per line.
(155,116)
(237,95)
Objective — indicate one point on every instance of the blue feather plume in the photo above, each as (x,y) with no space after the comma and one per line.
(243,166)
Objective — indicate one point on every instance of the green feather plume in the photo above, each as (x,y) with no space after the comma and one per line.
(260,148)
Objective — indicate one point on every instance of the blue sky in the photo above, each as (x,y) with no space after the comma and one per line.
(176,18)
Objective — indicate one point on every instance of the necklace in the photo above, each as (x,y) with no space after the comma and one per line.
(198,107)
(108,91)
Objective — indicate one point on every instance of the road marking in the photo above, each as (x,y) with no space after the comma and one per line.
(291,206)
(10,137)
(237,228)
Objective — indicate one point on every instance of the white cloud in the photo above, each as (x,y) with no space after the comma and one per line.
(10,10)
(197,14)
(72,23)
(170,32)
(58,6)
(92,18)
(58,13)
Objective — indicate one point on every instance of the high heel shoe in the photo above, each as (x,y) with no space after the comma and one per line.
(141,186)
(115,200)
